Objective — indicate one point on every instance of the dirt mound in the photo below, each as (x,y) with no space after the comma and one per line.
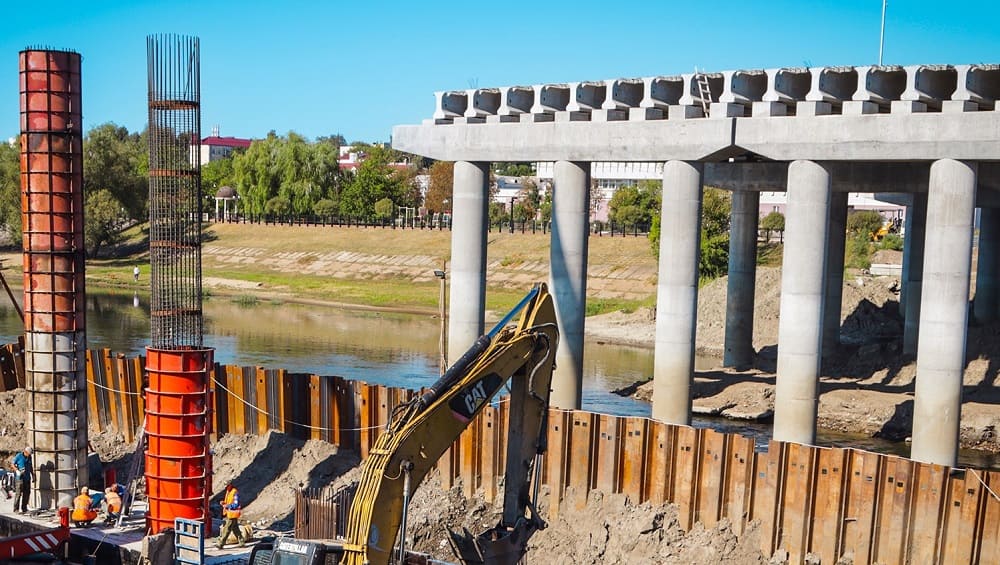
(269,469)
(609,529)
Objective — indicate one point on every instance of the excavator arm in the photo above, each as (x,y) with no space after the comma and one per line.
(423,429)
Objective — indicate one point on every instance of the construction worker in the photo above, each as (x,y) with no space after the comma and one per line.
(112,495)
(231,516)
(83,508)
(23,474)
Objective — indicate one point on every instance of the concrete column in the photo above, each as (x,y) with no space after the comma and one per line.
(836,240)
(467,298)
(568,276)
(677,291)
(985,304)
(741,287)
(913,271)
(944,312)
(800,327)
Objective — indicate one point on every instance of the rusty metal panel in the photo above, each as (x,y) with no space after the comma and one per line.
(260,384)
(237,417)
(315,410)
(382,408)
(139,386)
(893,523)
(489,445)
(503,428)
(930,488)
(828,504)
(557,457)
(659,484)
(713,463)
(962,521)
(92,391)
(635,460)
(796,501)
(687,452)
(739,482)
(768,483)
(581,456)
(114,397)
(609,453)
(369,429)
(862,504)
(989,548)
(468,455)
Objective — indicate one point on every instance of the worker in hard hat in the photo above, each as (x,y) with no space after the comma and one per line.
(113,496)
(83,511)
(23,475)
(231,512)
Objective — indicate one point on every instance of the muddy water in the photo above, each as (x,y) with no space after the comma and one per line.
(388,349)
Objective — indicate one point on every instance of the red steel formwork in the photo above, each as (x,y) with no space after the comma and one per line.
(178,423)
(54,292)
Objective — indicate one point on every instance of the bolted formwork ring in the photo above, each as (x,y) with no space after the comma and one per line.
(54,288)
(178,424)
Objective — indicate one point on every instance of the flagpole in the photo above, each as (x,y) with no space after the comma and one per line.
(881,37)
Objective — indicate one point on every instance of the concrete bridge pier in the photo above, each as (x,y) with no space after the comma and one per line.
(470,220)
(836,240)
(800,328)
(944,311)
(741,286)
(985,304)
(913,271)
(568,276)
(677,291)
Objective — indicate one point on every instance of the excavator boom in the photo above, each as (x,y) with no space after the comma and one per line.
(422,430)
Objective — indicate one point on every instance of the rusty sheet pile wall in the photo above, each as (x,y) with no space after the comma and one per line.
(825,501)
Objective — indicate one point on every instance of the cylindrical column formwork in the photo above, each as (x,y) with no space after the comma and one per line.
(54,293)
(178,474)
(178,461)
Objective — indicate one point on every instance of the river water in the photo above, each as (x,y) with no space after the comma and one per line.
(390,349)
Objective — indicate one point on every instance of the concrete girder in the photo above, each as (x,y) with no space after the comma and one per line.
(978,83)
(929,84)
(786,85)
(450,104)
(832,85)
(880,84)
(485,102)
(743,87)
(516,100)
(692,96)
(625,94)
(550,98)
(586,96)
(661,92)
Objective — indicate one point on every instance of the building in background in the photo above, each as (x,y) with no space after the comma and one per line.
(215,147)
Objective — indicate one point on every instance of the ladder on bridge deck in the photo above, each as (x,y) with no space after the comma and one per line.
(704,90)
(134,471)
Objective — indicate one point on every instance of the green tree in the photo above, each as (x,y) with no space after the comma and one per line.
(375,180)
(513,169)
(775,221)
(325,207)
(102,226)
(635,204)
(384,209)
(10,190)
(714,241)
(864,222)
(529,202)
(118,161)
(279,205)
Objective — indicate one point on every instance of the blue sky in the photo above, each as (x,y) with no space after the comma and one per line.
(358,68)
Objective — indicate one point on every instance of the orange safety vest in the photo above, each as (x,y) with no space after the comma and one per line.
(81,509)
(114,501)
(227,501)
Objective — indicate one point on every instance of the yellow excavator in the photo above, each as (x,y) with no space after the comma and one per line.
(420,431)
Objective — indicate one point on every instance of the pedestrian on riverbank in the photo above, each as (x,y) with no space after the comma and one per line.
(135,273)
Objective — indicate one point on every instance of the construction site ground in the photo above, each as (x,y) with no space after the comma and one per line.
(867,387)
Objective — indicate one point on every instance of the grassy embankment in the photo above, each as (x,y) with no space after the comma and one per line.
(277,283)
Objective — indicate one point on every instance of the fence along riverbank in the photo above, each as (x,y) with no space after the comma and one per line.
(829,502)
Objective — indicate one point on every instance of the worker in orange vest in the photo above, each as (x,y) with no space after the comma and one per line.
(231,514)
(83,512)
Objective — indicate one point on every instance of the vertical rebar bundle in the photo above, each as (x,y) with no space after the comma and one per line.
(54,293)
(175,190)
(178,411)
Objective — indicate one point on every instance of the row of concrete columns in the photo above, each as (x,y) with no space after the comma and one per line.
(936,287)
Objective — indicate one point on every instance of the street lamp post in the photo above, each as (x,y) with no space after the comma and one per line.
(513,199)
(442,313)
